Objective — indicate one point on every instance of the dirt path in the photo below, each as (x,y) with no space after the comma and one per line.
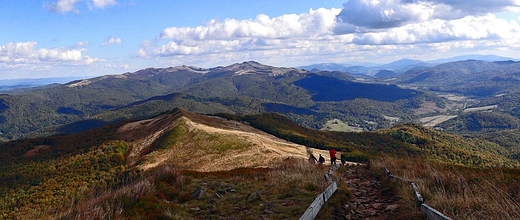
(264,148)
(370,199)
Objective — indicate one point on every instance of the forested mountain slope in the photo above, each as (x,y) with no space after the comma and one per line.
(311,99)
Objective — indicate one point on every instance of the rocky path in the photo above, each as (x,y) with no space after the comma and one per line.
(369,198)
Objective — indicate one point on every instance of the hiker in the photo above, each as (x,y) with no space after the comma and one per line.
(312,159)
(332,153)
(343,159)
(321,160)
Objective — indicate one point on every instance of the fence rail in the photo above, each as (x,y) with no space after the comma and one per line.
(431,213)
(319,201)
(323,197)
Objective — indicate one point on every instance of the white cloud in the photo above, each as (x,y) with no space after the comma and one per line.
(111,41)
(174,48)
(26,52)
(82,44)
(381,14)
(261,33)
(384,13)
(402,29)
(477,7)
(104,3)
(26,60)
(315,23)
(468,28)
(65,6)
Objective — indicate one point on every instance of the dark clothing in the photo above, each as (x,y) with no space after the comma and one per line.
(312,159)
(322,159)
(343,159)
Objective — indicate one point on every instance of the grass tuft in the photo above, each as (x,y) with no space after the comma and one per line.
(457,191)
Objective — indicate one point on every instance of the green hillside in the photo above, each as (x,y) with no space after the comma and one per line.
(66,155)
(474,78)
(244,88)
(72,175)
(402,140)
(453,149)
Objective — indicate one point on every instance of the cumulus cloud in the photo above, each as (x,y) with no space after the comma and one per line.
(315,23)
(26,52)
(387,28)
(468,28)
(260,33)
(26,60)
(476,7)
(111,41)
(381,14)
(65,6)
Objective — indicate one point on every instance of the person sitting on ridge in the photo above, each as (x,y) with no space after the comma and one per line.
(312,159)
(321,160)
(343,159)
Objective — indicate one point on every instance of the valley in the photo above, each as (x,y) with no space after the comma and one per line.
(210,110)
(248,128)
(169,157)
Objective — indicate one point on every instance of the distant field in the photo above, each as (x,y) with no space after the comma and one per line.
(435,120)
(452,97)
(390,118)
(338,125)
(484,108)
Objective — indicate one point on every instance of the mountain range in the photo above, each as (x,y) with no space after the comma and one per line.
(396,67)
(232,142)
(242,88)
(21,85)
(315,99)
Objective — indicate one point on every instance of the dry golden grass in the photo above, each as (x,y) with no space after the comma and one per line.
(165,192)
(196,146)
(458,192)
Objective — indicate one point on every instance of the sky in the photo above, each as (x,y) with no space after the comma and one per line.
(56,38)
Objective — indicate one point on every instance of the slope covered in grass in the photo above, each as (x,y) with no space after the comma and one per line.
(150,168)
(42,176)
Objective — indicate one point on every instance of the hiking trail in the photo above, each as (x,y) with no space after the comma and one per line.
(370,198)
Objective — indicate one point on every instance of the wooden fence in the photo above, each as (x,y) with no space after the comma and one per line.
(323,197)
(315,207)
(430,212)
(319,201)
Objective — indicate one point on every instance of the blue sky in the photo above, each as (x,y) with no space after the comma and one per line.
(51,38)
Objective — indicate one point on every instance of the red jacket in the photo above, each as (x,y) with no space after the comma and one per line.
(332,153)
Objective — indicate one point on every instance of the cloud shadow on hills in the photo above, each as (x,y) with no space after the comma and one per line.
(325,88)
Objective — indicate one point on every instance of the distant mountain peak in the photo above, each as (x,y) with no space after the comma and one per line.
(247,65)
(253,67)
(398,64)
(188,68)
(253,63)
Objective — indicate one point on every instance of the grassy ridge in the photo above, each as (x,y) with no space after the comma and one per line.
(87,174)
(402,140)
(464,178)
